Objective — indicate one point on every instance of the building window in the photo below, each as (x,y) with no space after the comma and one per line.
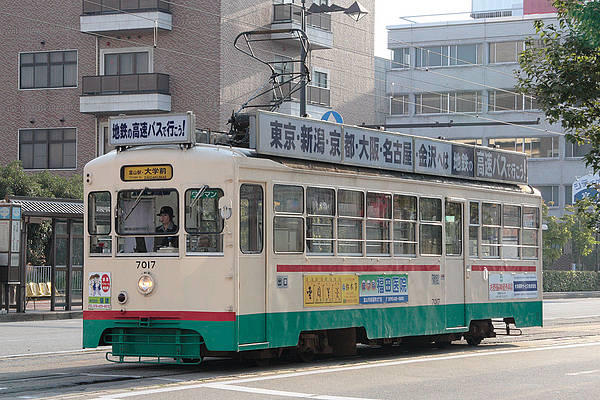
(576,150)
(443,103)
(473,142)
(126,63)
(549,195)
(319,79)
(399,105)
(512,144)
(54,69)
(569,195)
(47,148)
(506,52)
(442,56)
(401,58)
(542,147)
(507,100)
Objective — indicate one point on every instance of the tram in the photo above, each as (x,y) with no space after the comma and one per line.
(196,250)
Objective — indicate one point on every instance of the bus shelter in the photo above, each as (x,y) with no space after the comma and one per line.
(59,281)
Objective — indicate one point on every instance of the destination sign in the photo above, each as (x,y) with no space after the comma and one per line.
(307,139)
(152,129)
(162,172)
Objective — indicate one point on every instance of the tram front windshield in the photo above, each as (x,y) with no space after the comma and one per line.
(148,221)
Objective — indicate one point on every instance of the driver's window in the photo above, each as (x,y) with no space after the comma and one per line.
(147,221)
(203,221)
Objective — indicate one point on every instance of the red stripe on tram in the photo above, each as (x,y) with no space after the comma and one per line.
(165,315)
(511,268)
(355,268)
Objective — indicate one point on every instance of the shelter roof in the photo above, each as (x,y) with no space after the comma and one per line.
(46,207)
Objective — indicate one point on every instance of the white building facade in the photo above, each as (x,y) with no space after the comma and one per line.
(457,80)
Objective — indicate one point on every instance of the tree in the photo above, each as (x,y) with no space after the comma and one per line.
(16,182)
(564,73)
(581,221)
(555,237)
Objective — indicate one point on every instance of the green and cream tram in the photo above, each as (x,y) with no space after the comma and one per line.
(269,250)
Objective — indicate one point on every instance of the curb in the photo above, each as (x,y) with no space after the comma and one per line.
(40,316)
(570,295)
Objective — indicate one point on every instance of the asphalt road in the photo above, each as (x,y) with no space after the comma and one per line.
(559,361)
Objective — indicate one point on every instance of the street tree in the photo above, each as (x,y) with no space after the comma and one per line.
(563,74)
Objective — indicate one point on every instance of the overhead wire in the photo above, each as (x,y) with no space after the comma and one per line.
(231,101)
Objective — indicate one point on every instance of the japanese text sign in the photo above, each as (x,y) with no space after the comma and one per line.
(151,129)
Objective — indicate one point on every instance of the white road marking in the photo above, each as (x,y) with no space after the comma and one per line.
(165,379)
(346,368)
(279,392)
(580,317)
(49,353)
(3,388)
(593,371)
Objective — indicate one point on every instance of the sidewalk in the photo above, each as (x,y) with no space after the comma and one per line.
(45,315)
(41,315)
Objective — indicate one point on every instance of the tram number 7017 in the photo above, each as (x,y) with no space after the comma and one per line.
(145,264)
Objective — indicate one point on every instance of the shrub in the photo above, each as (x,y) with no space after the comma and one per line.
(571,281)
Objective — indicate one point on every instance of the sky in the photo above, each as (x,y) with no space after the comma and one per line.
(388,12)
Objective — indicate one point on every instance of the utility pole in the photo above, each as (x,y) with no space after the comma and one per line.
(303,64)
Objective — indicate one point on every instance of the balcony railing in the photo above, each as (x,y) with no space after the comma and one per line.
(314,95)
(94,7)
(125,84)
(293,13)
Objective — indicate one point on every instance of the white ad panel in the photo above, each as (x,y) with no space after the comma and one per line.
(525,286)
(15,236)
(433,157)
(501,286)
(151,129)
(376,149)
(306,139)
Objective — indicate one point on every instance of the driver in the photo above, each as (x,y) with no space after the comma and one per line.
(167,226)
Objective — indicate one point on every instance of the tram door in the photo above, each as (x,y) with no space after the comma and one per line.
(455,264)
(252,266)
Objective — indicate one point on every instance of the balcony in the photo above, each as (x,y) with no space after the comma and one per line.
(113,94)
(318,26)
(125,15)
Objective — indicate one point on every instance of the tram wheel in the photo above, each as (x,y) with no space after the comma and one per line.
(473,341)
(306,356)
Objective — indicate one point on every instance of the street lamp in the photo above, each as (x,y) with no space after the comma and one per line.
(356,11)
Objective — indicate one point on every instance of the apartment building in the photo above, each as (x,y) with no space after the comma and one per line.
(456,80)
(67,66)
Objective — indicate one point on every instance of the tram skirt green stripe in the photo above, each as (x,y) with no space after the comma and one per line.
(282,329)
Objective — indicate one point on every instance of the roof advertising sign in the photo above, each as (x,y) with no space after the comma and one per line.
(152,129)
(307,139)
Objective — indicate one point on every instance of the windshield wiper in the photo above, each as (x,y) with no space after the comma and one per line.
(200,193)
(135,204)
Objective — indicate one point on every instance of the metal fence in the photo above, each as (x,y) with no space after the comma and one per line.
(125,84)
(38,273)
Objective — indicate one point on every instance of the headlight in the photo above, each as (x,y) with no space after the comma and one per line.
(145,284)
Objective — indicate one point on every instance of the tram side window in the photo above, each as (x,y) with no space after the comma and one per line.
(474,226)
(148,221)
(490,230)
(430,226)
(511,232)
(379,215)
(454,228)
(531,225)
(99,217)
(351,211)
(320,210)
(251,219)
(203,222)
(405,225)
(288,223)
